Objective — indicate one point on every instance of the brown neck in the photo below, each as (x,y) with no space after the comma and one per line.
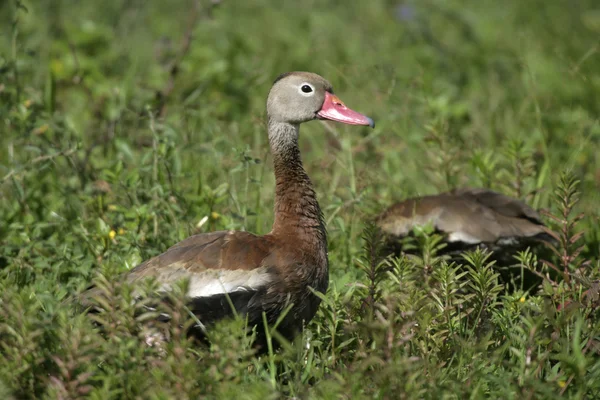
(297,212)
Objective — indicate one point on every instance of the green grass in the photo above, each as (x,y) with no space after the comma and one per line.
(108,155)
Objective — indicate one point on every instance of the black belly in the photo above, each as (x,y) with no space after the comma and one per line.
(251,305)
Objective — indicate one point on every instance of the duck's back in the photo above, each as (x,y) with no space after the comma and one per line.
(468,216)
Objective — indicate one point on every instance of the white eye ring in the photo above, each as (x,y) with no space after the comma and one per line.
(306,89)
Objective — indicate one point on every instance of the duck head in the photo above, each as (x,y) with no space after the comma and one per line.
(298,97)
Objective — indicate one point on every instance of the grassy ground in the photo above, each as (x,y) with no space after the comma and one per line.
(121,132)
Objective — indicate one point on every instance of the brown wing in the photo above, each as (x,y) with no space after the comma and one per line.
(223,250)
(501,204)
(214,262)
(467,220)
(467,215)
(400,218)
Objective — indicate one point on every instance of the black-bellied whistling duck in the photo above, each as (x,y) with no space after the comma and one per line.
(467,218)
(270,272)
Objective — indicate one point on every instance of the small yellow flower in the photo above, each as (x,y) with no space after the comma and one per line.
(215,215)
(112,234)
(561,384)
(41,129)
(112,207)
(57,67)
(121,231)
(522,299)
(27,103)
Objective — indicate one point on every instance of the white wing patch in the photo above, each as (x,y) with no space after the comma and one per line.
(211,283)
(463,237)
(508,241)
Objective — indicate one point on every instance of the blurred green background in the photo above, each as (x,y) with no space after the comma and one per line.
(127,125)
(453,85)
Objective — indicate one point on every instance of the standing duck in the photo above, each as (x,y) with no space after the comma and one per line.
(467,218)
(264,273)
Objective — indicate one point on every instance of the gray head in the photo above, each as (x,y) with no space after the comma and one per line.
(298,97)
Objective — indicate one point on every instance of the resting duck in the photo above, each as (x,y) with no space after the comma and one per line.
(269,272)
(467,218)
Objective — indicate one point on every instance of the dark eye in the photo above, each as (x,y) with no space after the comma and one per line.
(306,89)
